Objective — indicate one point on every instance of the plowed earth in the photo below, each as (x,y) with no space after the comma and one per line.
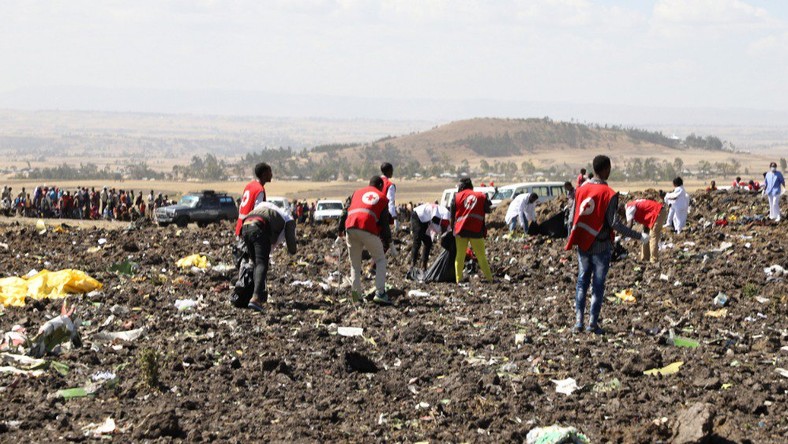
(465,363)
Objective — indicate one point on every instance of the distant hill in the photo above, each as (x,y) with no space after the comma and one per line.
(505,139)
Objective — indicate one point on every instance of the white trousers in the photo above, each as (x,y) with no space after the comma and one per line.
(774,207)
(679,218)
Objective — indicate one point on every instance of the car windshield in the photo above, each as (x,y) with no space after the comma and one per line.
(189,201)
(503,194)
(329,206)
(278,203)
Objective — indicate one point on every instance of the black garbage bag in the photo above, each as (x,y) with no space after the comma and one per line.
(442,269)
(554,227)
(244,286)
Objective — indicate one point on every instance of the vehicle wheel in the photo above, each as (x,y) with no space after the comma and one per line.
(163,224)
(182,222)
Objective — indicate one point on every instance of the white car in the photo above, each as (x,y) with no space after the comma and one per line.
(328,210)
(281,202)
(545,190)
(448,194)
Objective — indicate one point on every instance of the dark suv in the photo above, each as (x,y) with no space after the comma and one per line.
(203,208)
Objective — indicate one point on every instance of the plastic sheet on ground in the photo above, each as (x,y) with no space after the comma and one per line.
(129,335)
(566,386)
(45,284)
(194,260)
(664,371)
(556,434)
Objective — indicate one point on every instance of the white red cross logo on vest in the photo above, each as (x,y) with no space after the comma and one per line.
(469,202)
(587,207)
(245,198)
(370,198)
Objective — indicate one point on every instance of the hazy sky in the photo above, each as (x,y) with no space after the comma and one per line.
(704,53)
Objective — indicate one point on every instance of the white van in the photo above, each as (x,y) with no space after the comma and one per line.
(545,190)
(448,194)
(281,202)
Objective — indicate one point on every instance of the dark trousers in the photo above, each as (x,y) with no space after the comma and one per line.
(258,240)
(420,236)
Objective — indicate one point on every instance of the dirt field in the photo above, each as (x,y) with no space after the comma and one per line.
(470,363)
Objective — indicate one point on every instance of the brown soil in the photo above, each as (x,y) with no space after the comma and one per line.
(445,367)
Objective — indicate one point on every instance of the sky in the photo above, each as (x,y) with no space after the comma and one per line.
(676,53)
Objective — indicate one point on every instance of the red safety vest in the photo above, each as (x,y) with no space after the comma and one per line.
(386,185)
(366,207)
(591,202)
(646,211)
(580,179)
(469,212)
(251,191)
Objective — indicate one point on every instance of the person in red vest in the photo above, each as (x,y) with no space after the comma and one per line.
(365,226)
(467,219)
(581,177)
(594,218)
(652,216)
(254,193)
(390,191)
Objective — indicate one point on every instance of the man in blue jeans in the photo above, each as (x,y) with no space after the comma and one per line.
(595,219)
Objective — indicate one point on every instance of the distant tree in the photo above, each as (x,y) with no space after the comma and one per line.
(783,164)
(678,164)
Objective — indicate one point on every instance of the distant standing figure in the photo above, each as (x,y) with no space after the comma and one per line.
(390,191)
(679,206)
(773,182)
(581,177)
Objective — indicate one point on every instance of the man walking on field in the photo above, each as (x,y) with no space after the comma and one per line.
(773,181)
(595,217)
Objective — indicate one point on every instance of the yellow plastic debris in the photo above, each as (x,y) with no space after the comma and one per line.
(721,313)
(626,296)
(45,284)
(664,371)
(194,260)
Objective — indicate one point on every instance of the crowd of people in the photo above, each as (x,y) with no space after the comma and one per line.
(596,217)
(81,203)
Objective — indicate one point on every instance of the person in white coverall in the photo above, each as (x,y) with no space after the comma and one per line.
(678,200)
(521,211)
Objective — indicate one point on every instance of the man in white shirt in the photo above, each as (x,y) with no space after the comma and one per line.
(522,211)
(678,200)
(426,219)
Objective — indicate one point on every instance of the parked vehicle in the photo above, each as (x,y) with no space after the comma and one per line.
(328,209)
(281,202)
(201,207)
(545,190)
(449,193)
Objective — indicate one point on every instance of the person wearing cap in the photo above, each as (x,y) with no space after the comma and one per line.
(521,211)
(773,184)
(264,227)
(652,215)
(595,222)
(467,220)
(365,225)
(678,199)
(426,219)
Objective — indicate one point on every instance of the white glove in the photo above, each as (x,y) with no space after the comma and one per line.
(644,237)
